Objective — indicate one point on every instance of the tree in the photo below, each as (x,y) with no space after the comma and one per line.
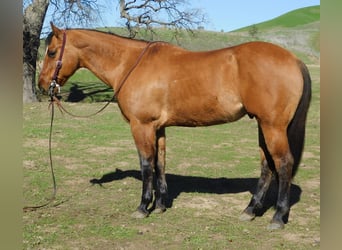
(34,15)
(137,13)
(166,13)
(77,11)
(253,31)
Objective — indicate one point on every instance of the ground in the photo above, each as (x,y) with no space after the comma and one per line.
(211,174)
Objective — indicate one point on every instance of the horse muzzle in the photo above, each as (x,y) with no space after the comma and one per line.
(43,85)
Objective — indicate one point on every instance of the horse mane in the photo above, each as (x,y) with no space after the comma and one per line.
(50,35)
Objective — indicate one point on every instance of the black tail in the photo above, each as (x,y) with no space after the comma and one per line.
(296,129)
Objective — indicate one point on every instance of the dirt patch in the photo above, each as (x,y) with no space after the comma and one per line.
(200,203)
(308,155)
(103,150)
(301,237)
(33,142)
(29,165)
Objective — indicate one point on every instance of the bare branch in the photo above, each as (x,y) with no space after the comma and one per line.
(167,13)
(71,12)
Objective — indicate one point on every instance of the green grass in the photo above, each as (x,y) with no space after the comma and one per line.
(209,172)
(291,19)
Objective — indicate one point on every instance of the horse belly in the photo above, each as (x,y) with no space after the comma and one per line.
(205,111)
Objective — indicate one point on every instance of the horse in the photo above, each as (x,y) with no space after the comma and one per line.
(158,85)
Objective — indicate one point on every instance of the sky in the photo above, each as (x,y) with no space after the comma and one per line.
(222,15)
(228,15)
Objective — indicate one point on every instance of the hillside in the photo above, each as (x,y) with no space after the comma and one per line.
(297,31)
(291,19)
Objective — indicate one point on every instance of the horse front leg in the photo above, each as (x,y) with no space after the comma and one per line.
(145,141)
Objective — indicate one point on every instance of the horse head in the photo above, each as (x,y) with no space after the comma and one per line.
(60,60)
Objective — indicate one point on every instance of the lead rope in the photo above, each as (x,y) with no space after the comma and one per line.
(54,99)
(54,192)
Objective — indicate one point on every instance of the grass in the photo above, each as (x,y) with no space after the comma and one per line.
(211,173)
(291,19)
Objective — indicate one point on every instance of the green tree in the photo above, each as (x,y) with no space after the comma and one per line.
(253,31)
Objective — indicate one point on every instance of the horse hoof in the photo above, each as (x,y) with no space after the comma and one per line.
(275,226)
(159,210)
(246,217)
(139,215)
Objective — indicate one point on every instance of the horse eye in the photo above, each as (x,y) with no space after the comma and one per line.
(51,53)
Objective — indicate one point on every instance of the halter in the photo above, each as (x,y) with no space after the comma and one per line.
(54,83)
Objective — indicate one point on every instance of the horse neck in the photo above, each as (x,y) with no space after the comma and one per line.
(107,56)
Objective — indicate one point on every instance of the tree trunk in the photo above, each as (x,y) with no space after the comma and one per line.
(34,16)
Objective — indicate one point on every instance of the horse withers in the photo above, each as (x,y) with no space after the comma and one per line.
(159,85)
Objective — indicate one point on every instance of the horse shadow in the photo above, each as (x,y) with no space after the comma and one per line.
(178,184)
(79,93)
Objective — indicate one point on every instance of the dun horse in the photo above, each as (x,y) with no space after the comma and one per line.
(159,85)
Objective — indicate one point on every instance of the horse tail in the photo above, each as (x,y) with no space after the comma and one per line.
(296,128)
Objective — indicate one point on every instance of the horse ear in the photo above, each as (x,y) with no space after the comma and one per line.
(56,31)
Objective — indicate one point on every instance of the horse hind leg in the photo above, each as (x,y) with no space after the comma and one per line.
(161,185)
(258,197)
(278,148)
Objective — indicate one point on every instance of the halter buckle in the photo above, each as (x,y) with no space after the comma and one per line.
(53,86)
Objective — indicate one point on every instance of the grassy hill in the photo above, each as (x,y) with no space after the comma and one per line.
(297,31)
(291,19)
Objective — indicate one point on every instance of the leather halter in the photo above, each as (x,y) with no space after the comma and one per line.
(54,84)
